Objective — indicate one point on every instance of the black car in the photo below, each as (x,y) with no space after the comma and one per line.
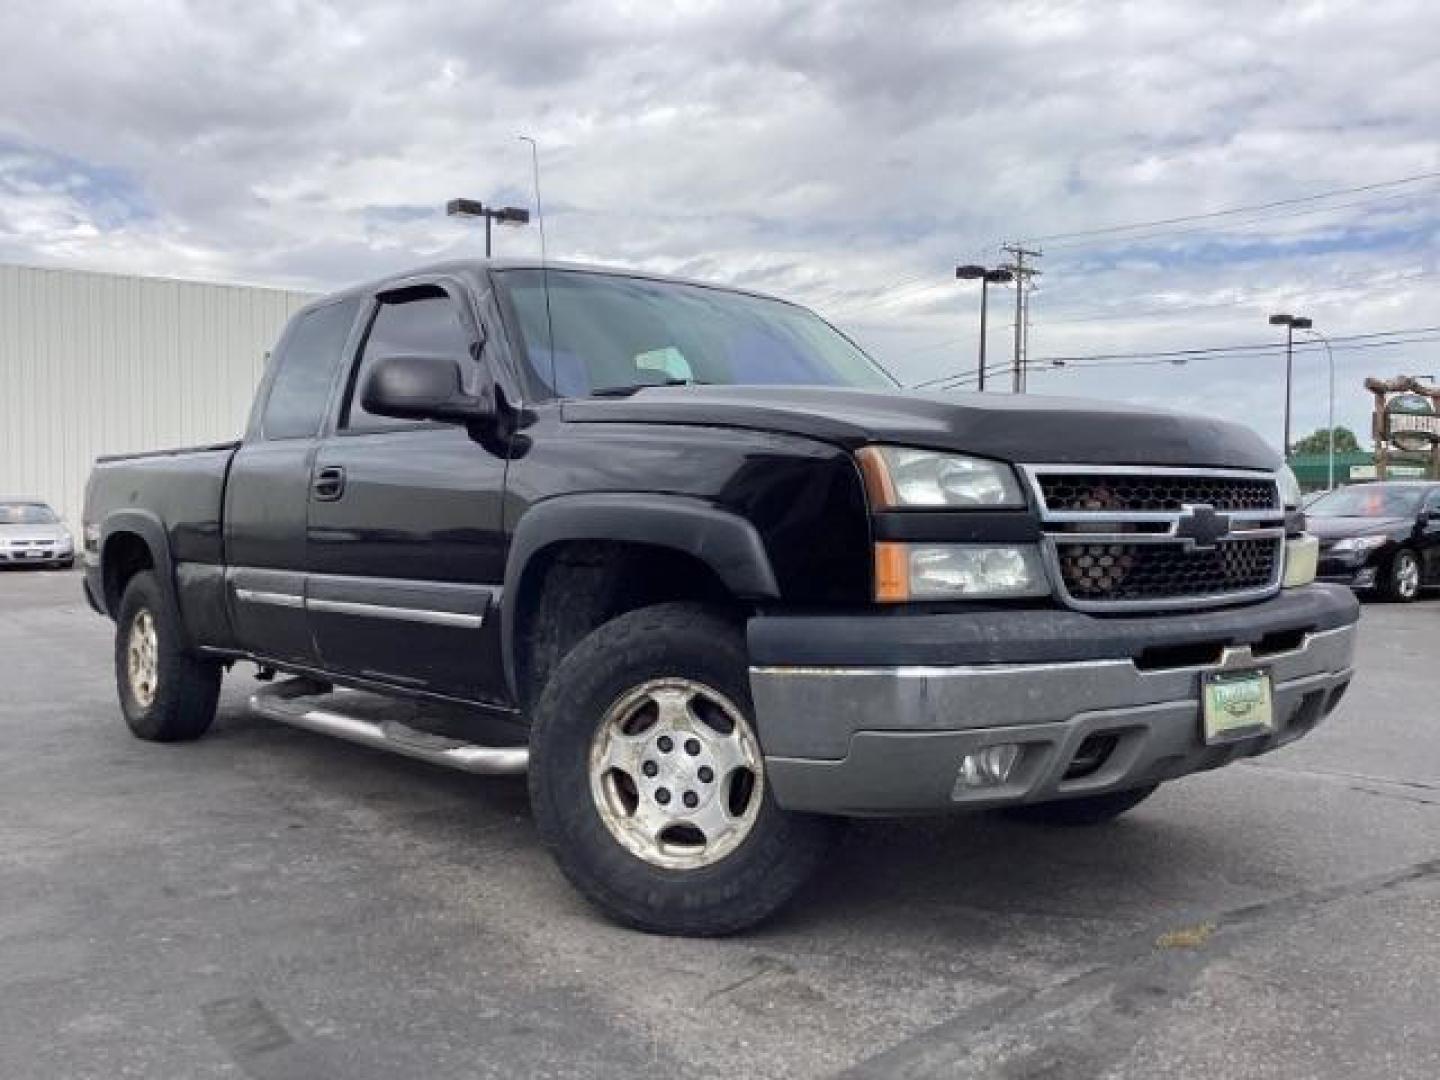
(1382,536)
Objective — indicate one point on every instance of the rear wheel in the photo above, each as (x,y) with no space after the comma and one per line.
(648,782)
(1085,810)
(166,694)
(1402,579)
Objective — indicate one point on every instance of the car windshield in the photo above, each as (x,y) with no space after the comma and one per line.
(26,514)
(612,332)
(1368,500)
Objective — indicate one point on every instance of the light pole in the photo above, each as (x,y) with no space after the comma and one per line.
(1291,324)
(997,276)
(1330,422)
(473,208)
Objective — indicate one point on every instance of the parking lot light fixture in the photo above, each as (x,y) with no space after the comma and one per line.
(1291,324)
(986,277)
(472,208)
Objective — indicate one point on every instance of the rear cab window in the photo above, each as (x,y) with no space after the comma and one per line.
(305,365)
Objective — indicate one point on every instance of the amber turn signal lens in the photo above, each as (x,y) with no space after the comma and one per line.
(892,574)
(879,488)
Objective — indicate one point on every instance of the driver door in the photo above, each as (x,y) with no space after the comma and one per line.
(405,544)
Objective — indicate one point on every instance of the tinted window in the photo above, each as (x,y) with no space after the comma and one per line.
(1368,500)
(306,361)
(612,331)
(428,325)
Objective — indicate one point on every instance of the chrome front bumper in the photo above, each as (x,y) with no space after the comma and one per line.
(888,740)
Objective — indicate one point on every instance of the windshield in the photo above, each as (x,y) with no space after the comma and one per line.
(612,332)
(1368,500)
(26,514)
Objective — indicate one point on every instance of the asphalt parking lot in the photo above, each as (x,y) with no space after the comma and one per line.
(272,904)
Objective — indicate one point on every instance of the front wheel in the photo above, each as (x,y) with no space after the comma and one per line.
(1402,580)
(166,693)
(1085,810)
(648,783)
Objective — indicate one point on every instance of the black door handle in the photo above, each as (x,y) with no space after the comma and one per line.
(329,483)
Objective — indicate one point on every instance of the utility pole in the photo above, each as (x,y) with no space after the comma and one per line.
(1019,253)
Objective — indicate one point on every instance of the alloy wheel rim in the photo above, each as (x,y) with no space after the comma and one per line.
(142,658)
(676,774)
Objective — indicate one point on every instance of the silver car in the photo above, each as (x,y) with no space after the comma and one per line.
(32,533)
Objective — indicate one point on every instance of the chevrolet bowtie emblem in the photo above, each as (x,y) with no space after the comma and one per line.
(1202,526)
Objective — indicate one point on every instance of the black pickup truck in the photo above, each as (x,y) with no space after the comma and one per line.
(698,565)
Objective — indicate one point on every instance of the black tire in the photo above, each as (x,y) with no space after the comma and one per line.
(1085,810)
(185,689)
(1401,584)
(782,849)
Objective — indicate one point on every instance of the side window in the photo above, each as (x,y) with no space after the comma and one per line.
(424,325)
(1432,503)
(306,361)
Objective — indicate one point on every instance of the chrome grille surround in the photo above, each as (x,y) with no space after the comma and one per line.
(1178,572)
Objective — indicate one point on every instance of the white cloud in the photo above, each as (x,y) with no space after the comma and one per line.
(827,151)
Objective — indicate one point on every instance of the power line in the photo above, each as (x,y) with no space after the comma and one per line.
(1254,299)
(1231,211)
(1235,348)
(1256,353)
(1347,342)
(961,381)
(894,291)
(1227,229)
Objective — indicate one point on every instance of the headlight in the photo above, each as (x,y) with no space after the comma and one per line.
(1290,493)
(1360,543)
(957,572)
(899,478)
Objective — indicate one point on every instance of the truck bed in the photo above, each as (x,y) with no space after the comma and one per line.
(178,492)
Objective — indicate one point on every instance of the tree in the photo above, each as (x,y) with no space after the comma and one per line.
(1318,442)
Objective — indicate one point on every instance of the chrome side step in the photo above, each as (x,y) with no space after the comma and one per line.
(285,703)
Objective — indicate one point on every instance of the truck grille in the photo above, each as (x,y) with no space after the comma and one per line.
(1098,491)
(1119,572)
(1128,539)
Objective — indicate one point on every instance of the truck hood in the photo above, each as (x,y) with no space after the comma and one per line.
(1007,427)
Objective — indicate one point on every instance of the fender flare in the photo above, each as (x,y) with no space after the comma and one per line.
(149,528)
(721,539)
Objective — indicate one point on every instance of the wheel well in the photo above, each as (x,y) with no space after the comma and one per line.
(125,555)
(572,587)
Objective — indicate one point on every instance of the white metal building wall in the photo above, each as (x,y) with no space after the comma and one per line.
(94,363)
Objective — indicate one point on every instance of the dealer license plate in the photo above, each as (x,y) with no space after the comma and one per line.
(1236,704)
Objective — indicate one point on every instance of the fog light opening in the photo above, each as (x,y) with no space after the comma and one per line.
(989,767)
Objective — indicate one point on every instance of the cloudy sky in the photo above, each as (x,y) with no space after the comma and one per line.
(845,154)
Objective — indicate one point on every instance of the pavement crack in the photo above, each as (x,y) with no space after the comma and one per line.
(1340,775)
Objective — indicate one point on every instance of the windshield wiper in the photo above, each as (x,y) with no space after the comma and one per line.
(626,391)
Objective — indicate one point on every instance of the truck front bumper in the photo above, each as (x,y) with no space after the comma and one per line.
(1092,704)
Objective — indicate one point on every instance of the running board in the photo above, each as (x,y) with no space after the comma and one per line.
(284,702)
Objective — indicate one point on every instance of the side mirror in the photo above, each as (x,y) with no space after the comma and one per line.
(422,388)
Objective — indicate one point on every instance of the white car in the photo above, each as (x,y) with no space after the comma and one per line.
(32,533)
